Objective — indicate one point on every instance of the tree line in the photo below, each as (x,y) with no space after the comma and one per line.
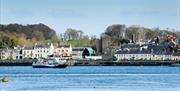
(119,34)
(17,34)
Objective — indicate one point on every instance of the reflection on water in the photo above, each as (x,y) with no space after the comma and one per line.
(91,78)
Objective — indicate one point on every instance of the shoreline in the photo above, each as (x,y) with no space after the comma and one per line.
(28,62)
(103,64)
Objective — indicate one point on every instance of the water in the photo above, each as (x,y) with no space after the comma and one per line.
(91,78)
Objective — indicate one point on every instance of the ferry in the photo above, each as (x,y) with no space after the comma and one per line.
(53,62)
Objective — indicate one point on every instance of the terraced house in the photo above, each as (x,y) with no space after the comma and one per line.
(43,51)
(63,51)
(7,54)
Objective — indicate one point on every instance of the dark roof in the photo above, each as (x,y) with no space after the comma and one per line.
(133,52)
(176,54)
(66,46)
(163,53)
(157,48)
(41,46)
(130,46)
(6,50)
(77,48)
(28,48)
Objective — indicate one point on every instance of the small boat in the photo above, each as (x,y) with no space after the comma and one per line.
(5,79)
(50,63)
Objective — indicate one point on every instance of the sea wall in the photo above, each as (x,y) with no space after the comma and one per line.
(20,62)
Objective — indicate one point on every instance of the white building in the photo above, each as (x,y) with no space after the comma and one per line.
(77,52)
(140,55)
(28,52)
(43,51)
(18,51)
(176,56)
(162,56)
(133,55)
(7,54)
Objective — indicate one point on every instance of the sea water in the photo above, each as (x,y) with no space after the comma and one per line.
(91,78)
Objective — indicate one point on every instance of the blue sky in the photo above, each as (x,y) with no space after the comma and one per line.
(91,16)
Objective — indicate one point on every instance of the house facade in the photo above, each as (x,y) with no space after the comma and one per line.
(43,51)
(63,51)
(28,52)
(7,54)
(77,52)
(176,56)
(140,55)
(133,55)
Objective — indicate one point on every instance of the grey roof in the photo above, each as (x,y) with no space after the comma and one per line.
(163,53)
(66,46)
(28,48)
(133,52)
(158,48)
(6,50)
(78,48)
(145,52)
(176,54)
(41,46)
(130,46)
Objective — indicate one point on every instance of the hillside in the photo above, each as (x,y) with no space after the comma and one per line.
(17,34)
(37,31)
(119,34)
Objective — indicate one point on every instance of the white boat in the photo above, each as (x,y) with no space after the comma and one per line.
(53,62)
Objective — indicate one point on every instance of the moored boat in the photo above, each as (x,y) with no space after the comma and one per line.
(5,79)
(50,63)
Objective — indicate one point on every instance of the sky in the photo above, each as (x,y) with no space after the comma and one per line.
(91,16)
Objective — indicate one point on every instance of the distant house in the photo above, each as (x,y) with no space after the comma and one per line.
(161,56)
(77,52)
(43,51)
(130,46)
(133,55)
(63,50)
(145,55)
(88,52)
(28,52)
(18,51)
(7,54)
(158,48)
(176,56)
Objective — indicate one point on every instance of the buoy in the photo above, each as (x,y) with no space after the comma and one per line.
(5,79)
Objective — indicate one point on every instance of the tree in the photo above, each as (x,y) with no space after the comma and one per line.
(126,41)
(71,34)
(38,35)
